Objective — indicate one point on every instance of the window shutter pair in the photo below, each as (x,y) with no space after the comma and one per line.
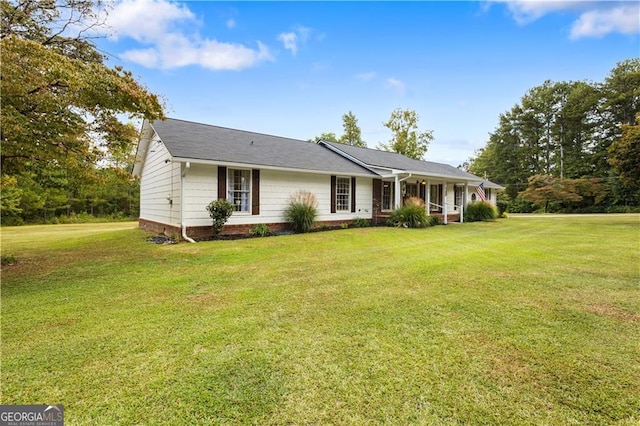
(255,188)
(334,193)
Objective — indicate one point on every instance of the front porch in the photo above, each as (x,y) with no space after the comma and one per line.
(442,198)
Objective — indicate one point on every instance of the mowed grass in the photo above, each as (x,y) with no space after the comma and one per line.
(528,320)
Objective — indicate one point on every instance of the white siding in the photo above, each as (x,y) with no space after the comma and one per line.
(160,186)
(276,187)
(201,188)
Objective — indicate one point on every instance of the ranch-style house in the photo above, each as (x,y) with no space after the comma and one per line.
(183,166)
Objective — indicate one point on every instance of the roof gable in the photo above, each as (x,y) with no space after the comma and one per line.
(195,141)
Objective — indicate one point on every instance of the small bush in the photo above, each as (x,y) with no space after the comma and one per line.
(435,220)
(480,211)
(302,211)
(502,207)
(359,222)
(220,211)
(520,205)
(409,216)
(7,259)
(260,230)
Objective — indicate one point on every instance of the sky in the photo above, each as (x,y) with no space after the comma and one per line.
(293,69)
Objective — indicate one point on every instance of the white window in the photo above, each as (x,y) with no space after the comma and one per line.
(343,194)
(487,194)
(388,194)
(239,188)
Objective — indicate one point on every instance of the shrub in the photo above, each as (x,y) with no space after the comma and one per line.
(520,205)
(260,230)
(502,207)
(435,220)
(302,211)
(480,211)
(7,259)
(409,216)
(220,211)
(359,222)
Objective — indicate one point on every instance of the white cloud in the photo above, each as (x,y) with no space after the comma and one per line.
(527,11)
(397,85)
(147,20)
(231,23)
(169,33)
(365,76)
(596,19)
(290,41)
(597,23)
(293,39)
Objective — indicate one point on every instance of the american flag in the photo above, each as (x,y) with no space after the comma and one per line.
(480,192)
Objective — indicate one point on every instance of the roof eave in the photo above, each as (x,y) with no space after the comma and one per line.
(371,174)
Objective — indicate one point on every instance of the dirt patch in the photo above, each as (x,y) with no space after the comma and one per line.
(614,312)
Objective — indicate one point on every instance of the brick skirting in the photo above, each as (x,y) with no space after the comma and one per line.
(200,233)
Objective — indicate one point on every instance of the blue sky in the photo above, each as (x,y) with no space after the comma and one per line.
(294,68)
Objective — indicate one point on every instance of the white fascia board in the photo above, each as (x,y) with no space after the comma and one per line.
(263,167)
(146,135)
(395,173)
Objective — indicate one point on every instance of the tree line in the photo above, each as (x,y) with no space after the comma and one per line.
(570,146)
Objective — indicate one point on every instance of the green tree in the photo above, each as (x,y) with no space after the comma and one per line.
(352,133)
(61,104)
(545,189)
(407,139)
(10,196)
(326,136)
(624,155)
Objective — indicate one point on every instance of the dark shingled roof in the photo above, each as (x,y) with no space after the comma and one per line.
(197,141)
(392,160)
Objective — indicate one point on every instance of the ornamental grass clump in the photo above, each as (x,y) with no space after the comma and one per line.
(302,211)
(411,215)
(480,211)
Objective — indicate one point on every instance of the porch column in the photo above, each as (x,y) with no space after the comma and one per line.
(444,202)
(427,196)
(464,201)
(397,194)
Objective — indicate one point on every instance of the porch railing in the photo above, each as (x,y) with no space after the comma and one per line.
(443,209)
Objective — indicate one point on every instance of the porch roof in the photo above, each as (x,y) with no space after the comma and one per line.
(398,162)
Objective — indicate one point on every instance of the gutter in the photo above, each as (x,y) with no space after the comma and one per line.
(183,225)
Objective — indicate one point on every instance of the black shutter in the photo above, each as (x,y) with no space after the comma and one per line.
(222,182)
(333,194)
(255,192)
(353,195)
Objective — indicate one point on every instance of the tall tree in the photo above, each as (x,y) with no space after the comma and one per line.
(620,102)
(352,133)
(624,155)
(61,104)
(407,139)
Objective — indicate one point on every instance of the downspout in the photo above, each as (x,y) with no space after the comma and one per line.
(183,225)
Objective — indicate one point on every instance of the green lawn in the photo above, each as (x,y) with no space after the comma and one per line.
(527,320)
